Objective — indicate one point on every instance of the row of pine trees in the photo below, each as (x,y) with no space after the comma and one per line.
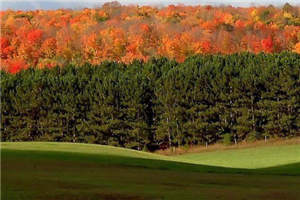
(158,104)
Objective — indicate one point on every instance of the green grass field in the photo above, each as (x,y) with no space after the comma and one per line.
(54,171)
(251,158)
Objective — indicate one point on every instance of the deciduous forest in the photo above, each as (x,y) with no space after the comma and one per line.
(47,38)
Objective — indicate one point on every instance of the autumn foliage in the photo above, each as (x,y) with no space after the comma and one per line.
(43,38)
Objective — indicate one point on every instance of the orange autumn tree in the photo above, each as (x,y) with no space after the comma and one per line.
(297,48)
(45,38)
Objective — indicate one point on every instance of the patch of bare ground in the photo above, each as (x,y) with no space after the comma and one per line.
(220,146)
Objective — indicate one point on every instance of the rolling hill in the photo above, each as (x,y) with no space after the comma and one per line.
(81,171)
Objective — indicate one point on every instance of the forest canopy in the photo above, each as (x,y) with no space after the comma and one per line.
(47,38)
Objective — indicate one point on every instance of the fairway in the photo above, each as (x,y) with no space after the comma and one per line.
(82,171)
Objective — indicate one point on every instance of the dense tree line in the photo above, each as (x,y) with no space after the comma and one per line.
(156,104)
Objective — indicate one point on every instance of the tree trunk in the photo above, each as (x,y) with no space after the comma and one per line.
(169,134)
(265,139)
(253,117)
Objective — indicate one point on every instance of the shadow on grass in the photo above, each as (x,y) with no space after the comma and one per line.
(292,169)
(48,175)
(86,160)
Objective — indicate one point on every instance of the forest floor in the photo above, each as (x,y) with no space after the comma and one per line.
(48,171)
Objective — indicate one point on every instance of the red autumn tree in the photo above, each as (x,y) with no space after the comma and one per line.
(267,44)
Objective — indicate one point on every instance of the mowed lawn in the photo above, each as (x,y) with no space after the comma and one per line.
(53,171)
(251,158)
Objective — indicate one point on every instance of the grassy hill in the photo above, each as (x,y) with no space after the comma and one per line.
(82,171)
(251,158)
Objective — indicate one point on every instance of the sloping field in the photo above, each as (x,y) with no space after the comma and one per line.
(81,171)
(251,158)
(79,148)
